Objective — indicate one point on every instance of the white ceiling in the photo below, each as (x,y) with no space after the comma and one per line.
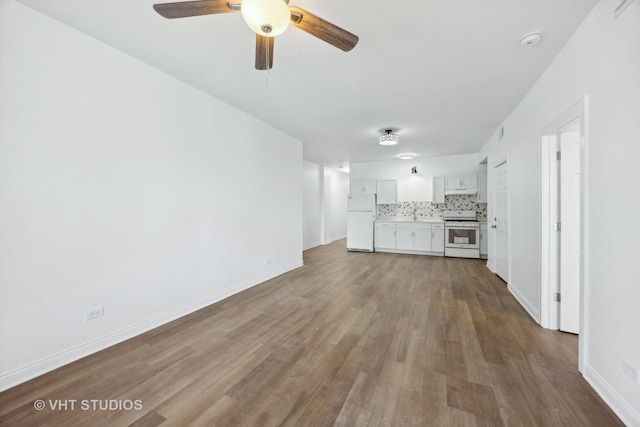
(444,74)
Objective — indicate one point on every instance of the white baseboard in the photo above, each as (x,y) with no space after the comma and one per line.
(490,267)
(311,246)
(316,244)
(47,364)
(524,302)
(622,408)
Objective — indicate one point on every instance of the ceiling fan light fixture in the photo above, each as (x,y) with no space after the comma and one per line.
(388,138)
(267,18)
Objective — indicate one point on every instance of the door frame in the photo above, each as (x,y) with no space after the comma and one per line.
(549,317)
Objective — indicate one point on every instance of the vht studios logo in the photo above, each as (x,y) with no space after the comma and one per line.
(88,405)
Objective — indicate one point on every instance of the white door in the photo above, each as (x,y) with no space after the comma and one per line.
(501,223)
(570,231)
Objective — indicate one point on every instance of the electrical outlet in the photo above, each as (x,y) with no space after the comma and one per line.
(267,261)
(94,313)
(630,370)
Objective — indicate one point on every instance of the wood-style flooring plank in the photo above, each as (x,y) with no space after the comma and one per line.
(350,339)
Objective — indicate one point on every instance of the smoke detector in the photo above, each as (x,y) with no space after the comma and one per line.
(530,39)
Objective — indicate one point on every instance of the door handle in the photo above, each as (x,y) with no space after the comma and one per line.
(493,226)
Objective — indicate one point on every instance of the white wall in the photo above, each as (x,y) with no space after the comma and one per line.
(602,60)
(313,193)
(325,204)
(418,187)
(338,192)
(122,187)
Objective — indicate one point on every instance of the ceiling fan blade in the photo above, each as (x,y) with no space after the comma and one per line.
(324,30)
(195,8)
(264,52)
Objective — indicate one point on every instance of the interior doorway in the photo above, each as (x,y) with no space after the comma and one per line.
(562,222)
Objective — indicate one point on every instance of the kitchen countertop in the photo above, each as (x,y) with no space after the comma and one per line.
(421,219)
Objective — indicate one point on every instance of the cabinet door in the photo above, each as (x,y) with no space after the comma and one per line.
(422,240)
(404,238)
(469,181)
(484,247)
(385,237)
(387,192)
(438,189)
(437,240)
(482,188)
(363,186)
(451,182)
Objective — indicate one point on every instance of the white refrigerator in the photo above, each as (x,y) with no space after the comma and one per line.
(361,211)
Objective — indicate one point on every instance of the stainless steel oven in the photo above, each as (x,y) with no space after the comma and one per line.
(462,234)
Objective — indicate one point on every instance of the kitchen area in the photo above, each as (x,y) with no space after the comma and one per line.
(384,217)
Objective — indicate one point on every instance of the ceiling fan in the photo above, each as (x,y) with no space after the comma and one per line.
(267,18)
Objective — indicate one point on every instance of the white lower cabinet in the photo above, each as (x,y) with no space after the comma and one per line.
(437,238)
(484,243)
(404,238)
(385,235)
(420,238)
(413,237)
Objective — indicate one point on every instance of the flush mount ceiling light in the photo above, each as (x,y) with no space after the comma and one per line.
(406,156)
(388,138)
(530,39)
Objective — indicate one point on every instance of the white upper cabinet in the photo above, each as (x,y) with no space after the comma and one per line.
(469,181)
(363,186)
(438,189)
(458,182)
(482,188)
(451,182)
(387,192)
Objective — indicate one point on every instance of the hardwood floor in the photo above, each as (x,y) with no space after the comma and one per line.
(350,339)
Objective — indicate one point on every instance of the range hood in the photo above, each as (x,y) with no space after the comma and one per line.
(461,191)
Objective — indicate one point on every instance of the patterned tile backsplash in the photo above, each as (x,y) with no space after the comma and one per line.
(430,209)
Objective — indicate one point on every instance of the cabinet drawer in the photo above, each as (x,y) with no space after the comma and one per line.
(385,224)
(438,226)
(413,226)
